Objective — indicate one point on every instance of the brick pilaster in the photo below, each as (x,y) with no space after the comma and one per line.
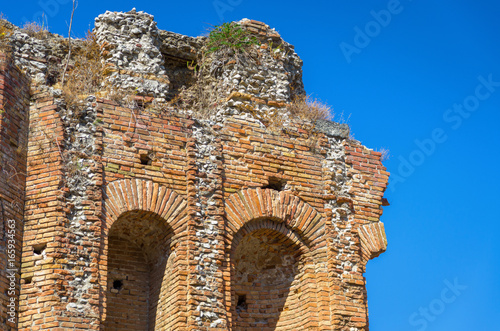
(14,118)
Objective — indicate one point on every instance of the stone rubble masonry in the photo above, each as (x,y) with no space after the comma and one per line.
(133,57)
(140,218)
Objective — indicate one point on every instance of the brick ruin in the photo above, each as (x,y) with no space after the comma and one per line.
(139,215)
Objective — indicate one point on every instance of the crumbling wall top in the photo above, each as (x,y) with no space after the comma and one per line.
(139,59)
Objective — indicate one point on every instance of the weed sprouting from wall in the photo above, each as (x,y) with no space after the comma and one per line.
(386,154)
(226,44)
(306,108)
(37,30)
(229,37)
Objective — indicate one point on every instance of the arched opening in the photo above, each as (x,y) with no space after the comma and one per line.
(269,272)
(139,272)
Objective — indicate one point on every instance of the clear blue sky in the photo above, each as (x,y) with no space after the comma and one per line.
(422,83)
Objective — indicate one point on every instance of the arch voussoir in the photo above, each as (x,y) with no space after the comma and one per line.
(126,195)
(373,241)
(247,205)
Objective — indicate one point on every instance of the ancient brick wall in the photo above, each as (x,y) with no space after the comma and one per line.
(144,158)
(278,163)
(14,113)
(135,214)
(52,261)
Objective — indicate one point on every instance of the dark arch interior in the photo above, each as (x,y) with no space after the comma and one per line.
(265,281)
(138,281)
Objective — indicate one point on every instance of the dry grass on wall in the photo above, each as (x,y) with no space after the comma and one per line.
(305,108)
(85,73)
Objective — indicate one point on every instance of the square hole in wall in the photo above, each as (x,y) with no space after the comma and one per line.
(145,159)
(241,303)
(117,284)
(275,183)
(39,248)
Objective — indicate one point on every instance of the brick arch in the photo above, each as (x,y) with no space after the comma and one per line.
(249,205)
(126,195)
(267,211)
(143,201)
(269,224)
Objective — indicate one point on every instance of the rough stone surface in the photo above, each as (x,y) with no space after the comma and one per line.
(138,215)
(332,128)
(132,47)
